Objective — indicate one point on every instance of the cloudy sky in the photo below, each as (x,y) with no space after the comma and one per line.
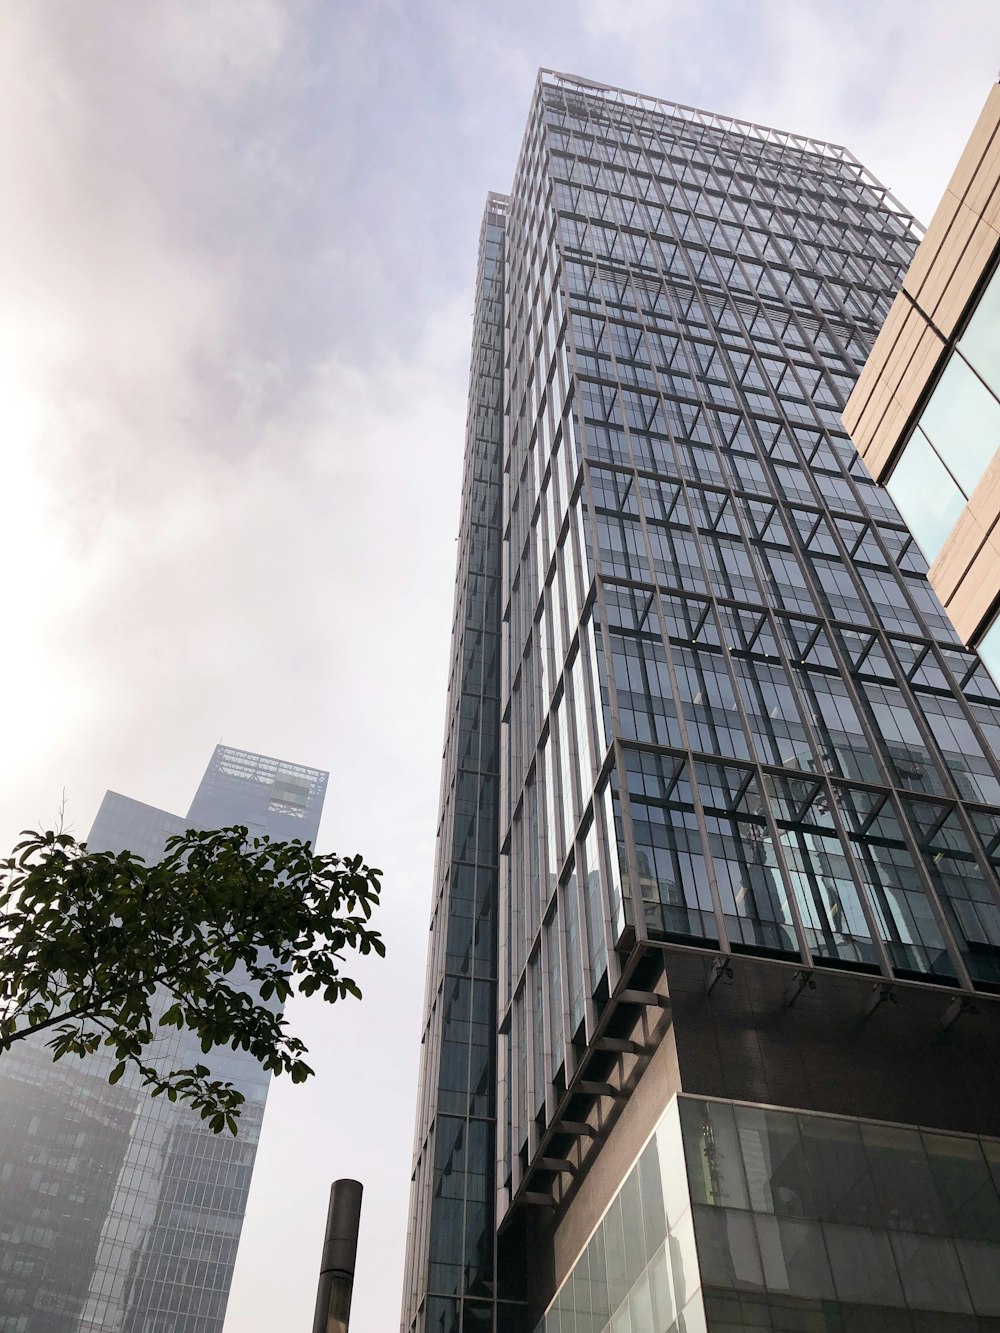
(237,244)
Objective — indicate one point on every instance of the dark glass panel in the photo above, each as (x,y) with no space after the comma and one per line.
(930,1272)
(904,1186)
(864,1268)
(793,1256)
(727,1248)
(838,1170)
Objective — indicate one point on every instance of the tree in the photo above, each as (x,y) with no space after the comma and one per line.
(101,950)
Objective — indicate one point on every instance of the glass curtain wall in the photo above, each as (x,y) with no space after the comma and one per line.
(736,1216)
(119,1213)
(728,711)
(736,715)
(450,1277)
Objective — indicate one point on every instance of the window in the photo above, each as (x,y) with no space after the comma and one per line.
(962,421)
(980,343)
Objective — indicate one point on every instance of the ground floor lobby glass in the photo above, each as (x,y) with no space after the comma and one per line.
(737,1216)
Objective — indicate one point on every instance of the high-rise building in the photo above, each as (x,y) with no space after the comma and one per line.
(925,412)
(119,1213)
(711,1016)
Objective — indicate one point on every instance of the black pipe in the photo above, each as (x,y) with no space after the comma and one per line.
(340,1248)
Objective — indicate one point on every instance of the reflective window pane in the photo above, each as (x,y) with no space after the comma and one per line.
(926,494)
(640,1310)
(980,343)
(838,1169)
(793,1255)
(654,1223)
(727,1247)
(965,1186)
(614,1243)
(777,1178)
(988,649)
(712,1148)
(981,1266)
(930,1271)
(673,1175)
(684,1273)
(622,1322)
(632,1233)
(962,421)
(660,1291)
(864,1269)
(906,1192)
(599,1304)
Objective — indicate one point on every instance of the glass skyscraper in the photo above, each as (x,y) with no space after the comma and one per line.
(120,1214)
(711,1017)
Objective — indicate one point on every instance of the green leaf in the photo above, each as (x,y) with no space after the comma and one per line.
(121,950)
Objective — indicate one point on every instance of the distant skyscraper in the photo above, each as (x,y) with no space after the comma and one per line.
(120,1214)
(716,919)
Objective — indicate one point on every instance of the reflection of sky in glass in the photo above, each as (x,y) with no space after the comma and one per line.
(926,495)
(962,420)
(980,343)
(988,649)
(958,436)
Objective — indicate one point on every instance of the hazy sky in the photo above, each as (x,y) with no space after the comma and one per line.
(238,243)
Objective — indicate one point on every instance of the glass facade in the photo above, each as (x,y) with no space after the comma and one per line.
(120,1214)
(957,433)
(738,1216)
(639,1272)
(451,1263)
(733,716)
(736,714)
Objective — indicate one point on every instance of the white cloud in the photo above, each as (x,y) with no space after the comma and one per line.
(900,83)
(631,21)
(220,47)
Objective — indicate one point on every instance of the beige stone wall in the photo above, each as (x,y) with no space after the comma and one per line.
(966,574)
(961,243)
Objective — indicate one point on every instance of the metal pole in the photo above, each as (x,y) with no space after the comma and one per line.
(340,1248)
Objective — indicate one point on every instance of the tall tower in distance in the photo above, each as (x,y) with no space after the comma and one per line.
(712,998)
(120,1214)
